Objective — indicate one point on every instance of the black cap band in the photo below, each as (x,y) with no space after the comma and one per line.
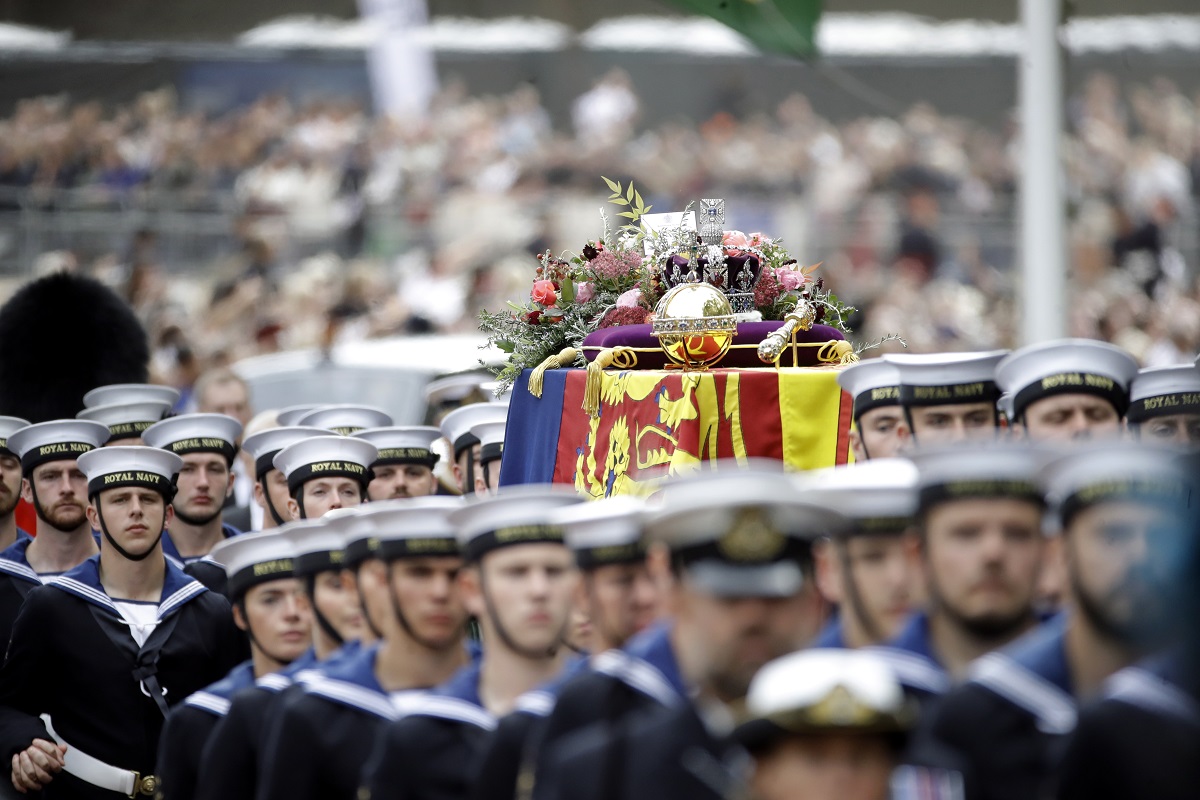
(491,452)
(1163,405)
(321,561)
(141,478)
(1159,492)
(1072,383)
(606,555)
(358,551)
(127,430)
(247,578)
(328,469)
(506,537)
(877,526)
(416,547)
(980,489)
(463,442)
(730,551)
(878,397)
(407,455)
(949,394)
(55,451)
(204,444)
(264,464)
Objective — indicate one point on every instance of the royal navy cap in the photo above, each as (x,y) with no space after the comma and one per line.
(1115,471)
(823,690)
(740,532)
(941,379)
(404,444)
(9,426)
(255,558)
(318,548)
(126,420)
(414,527)
(1067,366)
(196,433)
(56,440)
(494,393)
(871,384)
(355,532)
(877,496)
(119,467)
(1004,404)
(515,515)
(454,388)
(604,532)
(262,447)
(346,419)
(992,470)
(321,456)
(120,393)
(456,426)
(291,415)
(491,439)
(1163,391)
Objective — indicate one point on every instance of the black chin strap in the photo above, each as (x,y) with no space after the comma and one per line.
(362,602)
(270,505)
(854,597)
(125,553)
(241,603)
(401,618)
(310,586)
(504,635)
(298,496)
(862,440)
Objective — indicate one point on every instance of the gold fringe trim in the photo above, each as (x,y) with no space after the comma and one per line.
(619,357)
(837,351)
(538,373)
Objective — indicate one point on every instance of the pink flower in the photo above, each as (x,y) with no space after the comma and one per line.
(790,279)
(584,292)
(735,239)
(608,265)
(757,239)
(630,299)
(543,293)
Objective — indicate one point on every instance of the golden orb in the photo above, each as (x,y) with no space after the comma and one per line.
(695,325)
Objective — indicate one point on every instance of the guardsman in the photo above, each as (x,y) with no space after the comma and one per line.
(98,656)
(617,597)
(825,725)
(126,421)
(346,419)
(880,428)
(734,548)
(866,569)
(1164,405)
(57,489)
(10,484)
(1067,389)
(239,740)
(948,397)
(491,451)
(408,560)
(207,443)
(404,466)
(517,581)
(980,546)
(270,607)
(1119,509)
(456,428)
(324,473)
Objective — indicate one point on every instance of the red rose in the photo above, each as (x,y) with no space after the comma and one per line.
(533,316)
(543,293)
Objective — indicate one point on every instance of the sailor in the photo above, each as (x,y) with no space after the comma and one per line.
(126,421)
(617,597)
(734,548)
(980,546)
(10,484)
(1164,405)
(207,443)
(99,655)
(825,725)
(346,419)
(880,428)
(270,485)
(491,450)
(290,416)
(1120,511)
(404,466)
(866,570)
(407,575)
(456,391)
(324,473)
(130,394)
(56,488)
(948,397)
(456,428)
(1067,389)
(270,607)
(238,741)
(517,581)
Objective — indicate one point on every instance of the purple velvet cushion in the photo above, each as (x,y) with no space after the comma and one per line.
(749,334)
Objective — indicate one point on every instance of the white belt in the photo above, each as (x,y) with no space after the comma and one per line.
(96,772)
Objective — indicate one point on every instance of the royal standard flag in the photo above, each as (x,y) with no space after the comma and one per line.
(654,424)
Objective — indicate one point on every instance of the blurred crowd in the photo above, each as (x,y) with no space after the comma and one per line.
(344,226)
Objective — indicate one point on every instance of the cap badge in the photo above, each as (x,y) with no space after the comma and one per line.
(840,708)
(751,538)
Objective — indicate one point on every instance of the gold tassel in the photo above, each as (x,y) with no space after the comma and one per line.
(622,357)
(538,373)
(837,351)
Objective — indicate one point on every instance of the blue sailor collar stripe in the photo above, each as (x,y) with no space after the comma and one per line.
(538,703)
(913,670)
(445,707)
(18,568)
(273,682)
(84,582)
(215,699)
(1140,687)
(207,701)
(638,674)
(351,694)
(1054,709)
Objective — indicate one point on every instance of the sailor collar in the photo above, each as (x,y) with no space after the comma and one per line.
(832,636)
(84,583)
(13,561)
(1154,685)
(911,657)
(647,664)
(457,700)
(217,698)
(1033,674)
(172,552)
(351,682)
(278,681)
(540,702)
